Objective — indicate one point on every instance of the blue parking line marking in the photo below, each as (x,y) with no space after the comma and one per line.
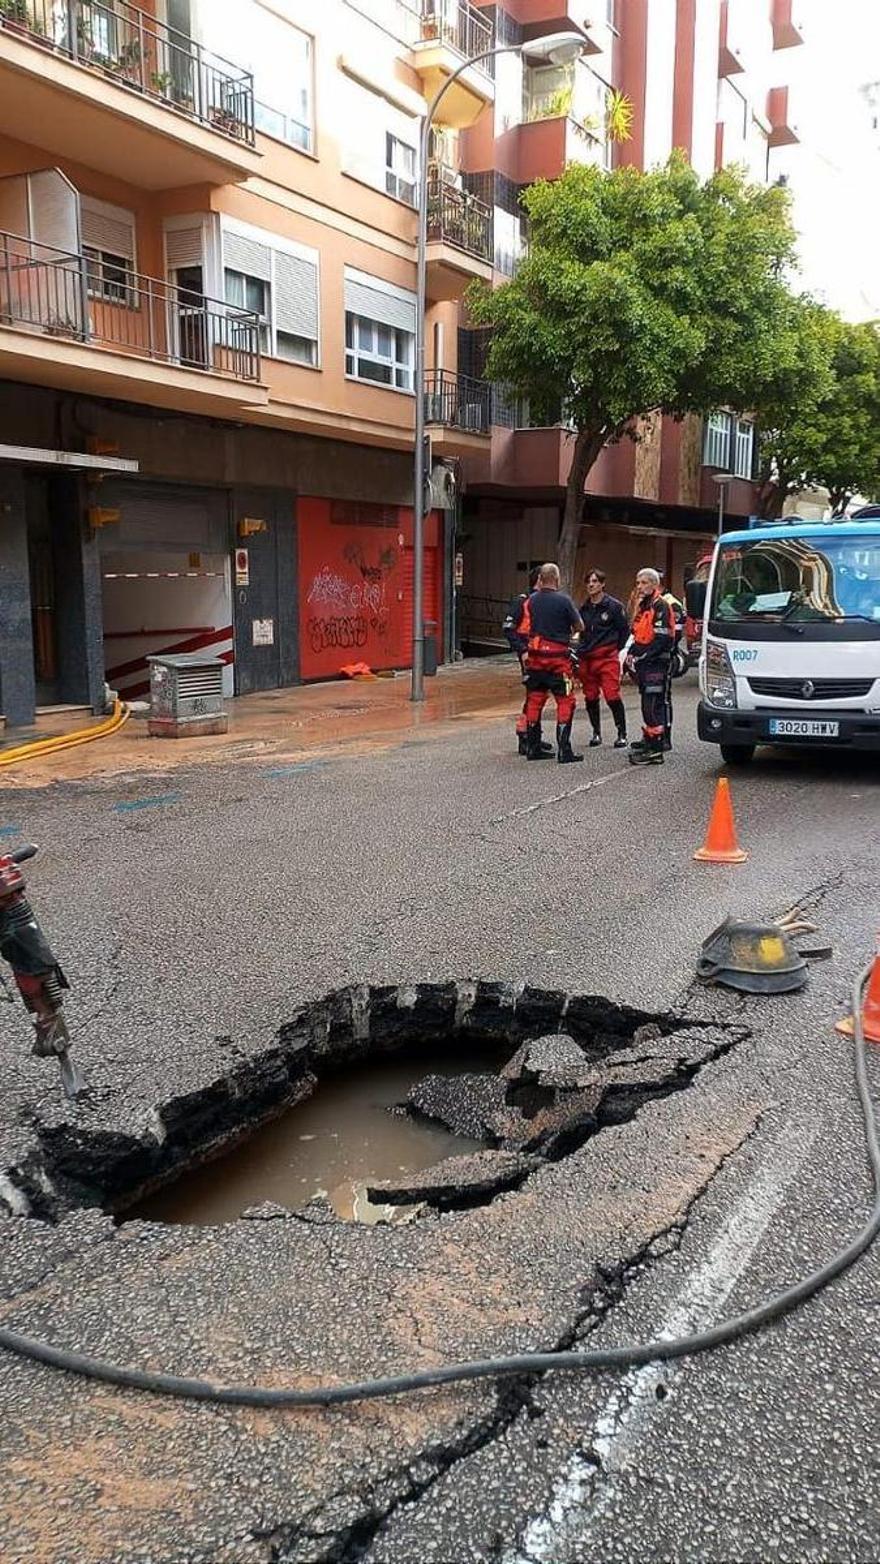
(294,769)
(145,803)
(10,830)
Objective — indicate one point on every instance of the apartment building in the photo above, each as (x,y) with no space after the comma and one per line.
(712,77)
(207,316)
(208,311)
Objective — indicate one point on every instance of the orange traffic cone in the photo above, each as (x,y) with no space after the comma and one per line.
(870,1008)
(721,845)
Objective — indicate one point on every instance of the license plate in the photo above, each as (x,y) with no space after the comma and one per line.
(792,728)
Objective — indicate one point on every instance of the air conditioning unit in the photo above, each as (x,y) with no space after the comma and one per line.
(473,417)
(434,408)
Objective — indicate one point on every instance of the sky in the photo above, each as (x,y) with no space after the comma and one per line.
(834,173)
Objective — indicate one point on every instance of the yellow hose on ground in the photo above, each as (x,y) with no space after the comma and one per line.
(100,730)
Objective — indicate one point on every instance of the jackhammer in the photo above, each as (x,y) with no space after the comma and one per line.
(37,973)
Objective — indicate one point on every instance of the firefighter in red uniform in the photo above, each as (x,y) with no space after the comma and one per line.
(653,638)
(514,631)
(606,631)
(549,619)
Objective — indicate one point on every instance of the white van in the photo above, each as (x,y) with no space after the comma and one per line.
(791,637)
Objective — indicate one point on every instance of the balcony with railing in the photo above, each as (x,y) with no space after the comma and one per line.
(452,31)
(565,121)
(457,412)
(89,322)
(460,243)
(789,30)
(110,85)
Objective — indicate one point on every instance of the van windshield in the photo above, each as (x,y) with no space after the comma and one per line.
(816,580)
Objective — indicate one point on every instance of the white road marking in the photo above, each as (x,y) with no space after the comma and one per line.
(622,1420)
(559,798)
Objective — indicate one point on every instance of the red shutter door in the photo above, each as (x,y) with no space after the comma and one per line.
(431,600)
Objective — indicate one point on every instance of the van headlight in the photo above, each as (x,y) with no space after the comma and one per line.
(720,679)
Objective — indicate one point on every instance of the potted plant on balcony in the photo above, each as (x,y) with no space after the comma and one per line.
(162,83)
(226,120)
(16,17)
(61,326)
(127,63)
(619,114)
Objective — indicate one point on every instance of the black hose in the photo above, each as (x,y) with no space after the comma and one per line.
(520,1363)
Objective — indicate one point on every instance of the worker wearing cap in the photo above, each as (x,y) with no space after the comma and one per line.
(605,633)
(549,619)
(653,637)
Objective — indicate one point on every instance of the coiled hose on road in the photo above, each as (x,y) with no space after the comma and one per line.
(520,1363)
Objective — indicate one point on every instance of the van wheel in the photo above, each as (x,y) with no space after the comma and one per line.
(738,754)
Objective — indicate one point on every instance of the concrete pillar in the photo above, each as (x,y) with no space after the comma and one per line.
(79,614)
(17,688)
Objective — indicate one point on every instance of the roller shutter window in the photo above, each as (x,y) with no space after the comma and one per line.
(281,286)
(379,332)
(247,279)
(184,247)
(296,308)
(108,241)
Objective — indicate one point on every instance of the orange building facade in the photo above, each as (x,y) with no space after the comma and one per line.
(207,317)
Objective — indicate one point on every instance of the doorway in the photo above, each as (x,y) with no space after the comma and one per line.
(191,324)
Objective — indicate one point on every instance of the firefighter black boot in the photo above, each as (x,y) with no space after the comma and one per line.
(535,749)
(564,752)
(522,740)
(618,712)
(595,716)
(650,753)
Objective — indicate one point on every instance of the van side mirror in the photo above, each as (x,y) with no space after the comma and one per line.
(695,597)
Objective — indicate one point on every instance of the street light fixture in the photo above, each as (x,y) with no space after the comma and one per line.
(554,49)
(722,479)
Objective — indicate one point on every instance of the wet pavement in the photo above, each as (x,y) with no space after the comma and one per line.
(195,911)
(290,724)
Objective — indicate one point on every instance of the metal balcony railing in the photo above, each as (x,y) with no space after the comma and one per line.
(93,299)
(460,25)
(136,50)
(458,218)
(457,401)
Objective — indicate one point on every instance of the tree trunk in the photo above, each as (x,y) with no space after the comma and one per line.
(588,443)
(772,495)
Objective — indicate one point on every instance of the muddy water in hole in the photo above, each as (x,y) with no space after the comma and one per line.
(340,1139)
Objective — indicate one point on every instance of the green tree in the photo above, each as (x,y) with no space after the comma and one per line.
(788,409)
(641,293)
(825,433)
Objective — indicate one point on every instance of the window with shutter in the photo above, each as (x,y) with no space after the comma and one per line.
(296,308)
(108,242)
(184,247)
(279,280)
(380,322)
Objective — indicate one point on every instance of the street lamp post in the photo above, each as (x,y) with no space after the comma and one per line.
(723,479)
(555,49)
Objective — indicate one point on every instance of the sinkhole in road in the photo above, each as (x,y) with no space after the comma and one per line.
(381,1100)
(437,1095)
(350,1132)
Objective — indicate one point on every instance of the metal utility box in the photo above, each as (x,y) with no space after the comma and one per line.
(186,696)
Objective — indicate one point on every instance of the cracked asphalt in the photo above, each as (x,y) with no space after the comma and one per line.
(192,926)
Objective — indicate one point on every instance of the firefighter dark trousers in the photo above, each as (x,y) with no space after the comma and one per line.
(652,678)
